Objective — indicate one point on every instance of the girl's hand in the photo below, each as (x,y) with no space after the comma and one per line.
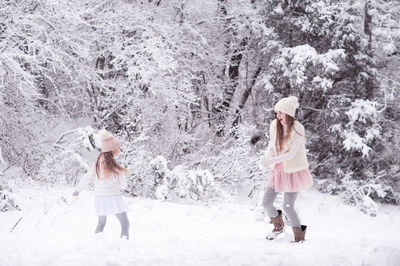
(264,163)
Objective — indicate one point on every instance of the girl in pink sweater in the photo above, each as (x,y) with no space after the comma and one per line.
(109,180)
(286,161)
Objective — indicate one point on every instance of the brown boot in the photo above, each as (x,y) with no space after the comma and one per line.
(278,226)
(299,233)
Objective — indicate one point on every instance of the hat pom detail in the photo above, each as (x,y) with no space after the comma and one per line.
(108,141)
(103,134)
(287,105)
(293,100)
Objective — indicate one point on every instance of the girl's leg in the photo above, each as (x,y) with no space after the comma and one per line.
(268,202)
(288,207)
(100,224)
(274,215)
(123,220)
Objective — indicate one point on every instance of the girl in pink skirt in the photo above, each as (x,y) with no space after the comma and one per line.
(109,180)
(286,160)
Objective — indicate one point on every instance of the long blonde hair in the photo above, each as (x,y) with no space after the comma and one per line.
(109,163)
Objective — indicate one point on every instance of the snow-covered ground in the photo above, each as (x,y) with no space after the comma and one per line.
(57,230)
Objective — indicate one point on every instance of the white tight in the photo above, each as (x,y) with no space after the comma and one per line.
(123,220)
(289,199)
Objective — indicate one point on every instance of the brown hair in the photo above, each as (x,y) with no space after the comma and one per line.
(281,139)
(109,164)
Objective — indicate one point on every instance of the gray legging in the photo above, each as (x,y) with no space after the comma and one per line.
(123,220)
(288,205)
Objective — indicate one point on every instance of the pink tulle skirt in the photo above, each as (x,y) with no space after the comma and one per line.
(289,182)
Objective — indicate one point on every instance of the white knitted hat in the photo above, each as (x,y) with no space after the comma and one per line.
(108,141)
(287,105)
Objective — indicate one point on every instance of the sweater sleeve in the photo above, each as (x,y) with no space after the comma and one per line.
(291,153)
(122,181)
(86,178)
(264,162)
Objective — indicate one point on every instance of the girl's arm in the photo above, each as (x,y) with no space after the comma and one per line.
(264,162)
(291,153)
(122,181)
(85,180)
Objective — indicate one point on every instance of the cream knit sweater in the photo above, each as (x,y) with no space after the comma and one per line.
(103,186)
(293,155)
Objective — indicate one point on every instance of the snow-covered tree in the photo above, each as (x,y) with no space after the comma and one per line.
(194,81)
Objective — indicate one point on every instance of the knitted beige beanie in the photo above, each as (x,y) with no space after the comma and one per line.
(287,105)
(108,141)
